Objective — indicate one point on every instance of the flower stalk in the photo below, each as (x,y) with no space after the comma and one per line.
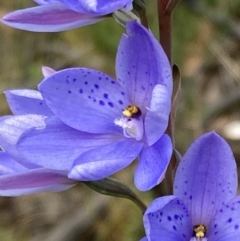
(165,10)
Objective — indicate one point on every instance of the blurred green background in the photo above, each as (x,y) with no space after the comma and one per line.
(206,47)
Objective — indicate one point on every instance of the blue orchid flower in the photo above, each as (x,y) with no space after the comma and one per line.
(60,15)
(204,206)
(99,125)
(17,176)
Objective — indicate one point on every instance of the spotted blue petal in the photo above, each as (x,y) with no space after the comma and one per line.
(85,99)
(168,218)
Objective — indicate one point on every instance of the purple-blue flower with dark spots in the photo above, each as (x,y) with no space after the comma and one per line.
(101,125)
(17,175)
(60,15)
(204,205)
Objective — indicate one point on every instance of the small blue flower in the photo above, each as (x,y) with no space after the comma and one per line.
(18,176)
(204,206)
(60,15)
(100,125)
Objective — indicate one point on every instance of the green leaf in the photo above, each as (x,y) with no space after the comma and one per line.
(113,187)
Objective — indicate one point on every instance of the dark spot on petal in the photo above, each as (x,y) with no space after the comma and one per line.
(80,91)
(229,220)
(96,86)
(105,96)
(101,102)
(85,82)
(69,91)
(120,102)
(110,104)
(113,82)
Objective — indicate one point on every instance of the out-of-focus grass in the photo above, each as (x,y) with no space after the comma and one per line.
(205,79)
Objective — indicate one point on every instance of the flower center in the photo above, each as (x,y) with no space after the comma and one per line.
(199,233)
(131,123)
(132,111)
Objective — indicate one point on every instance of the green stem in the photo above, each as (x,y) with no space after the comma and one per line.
(140,8)
(139,203)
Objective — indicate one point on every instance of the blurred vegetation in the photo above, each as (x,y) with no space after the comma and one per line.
(206,47)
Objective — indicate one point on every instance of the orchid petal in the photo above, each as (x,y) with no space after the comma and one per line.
(27,102)
(9,165)
(167,218)
(153,162)
(11,128)
(48,18)
(96,7)
(141,64)
(157,116)
(56,146)
(85,99)
(202,180)
(47,71)
(34,181)
(102,162)
(226,222)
